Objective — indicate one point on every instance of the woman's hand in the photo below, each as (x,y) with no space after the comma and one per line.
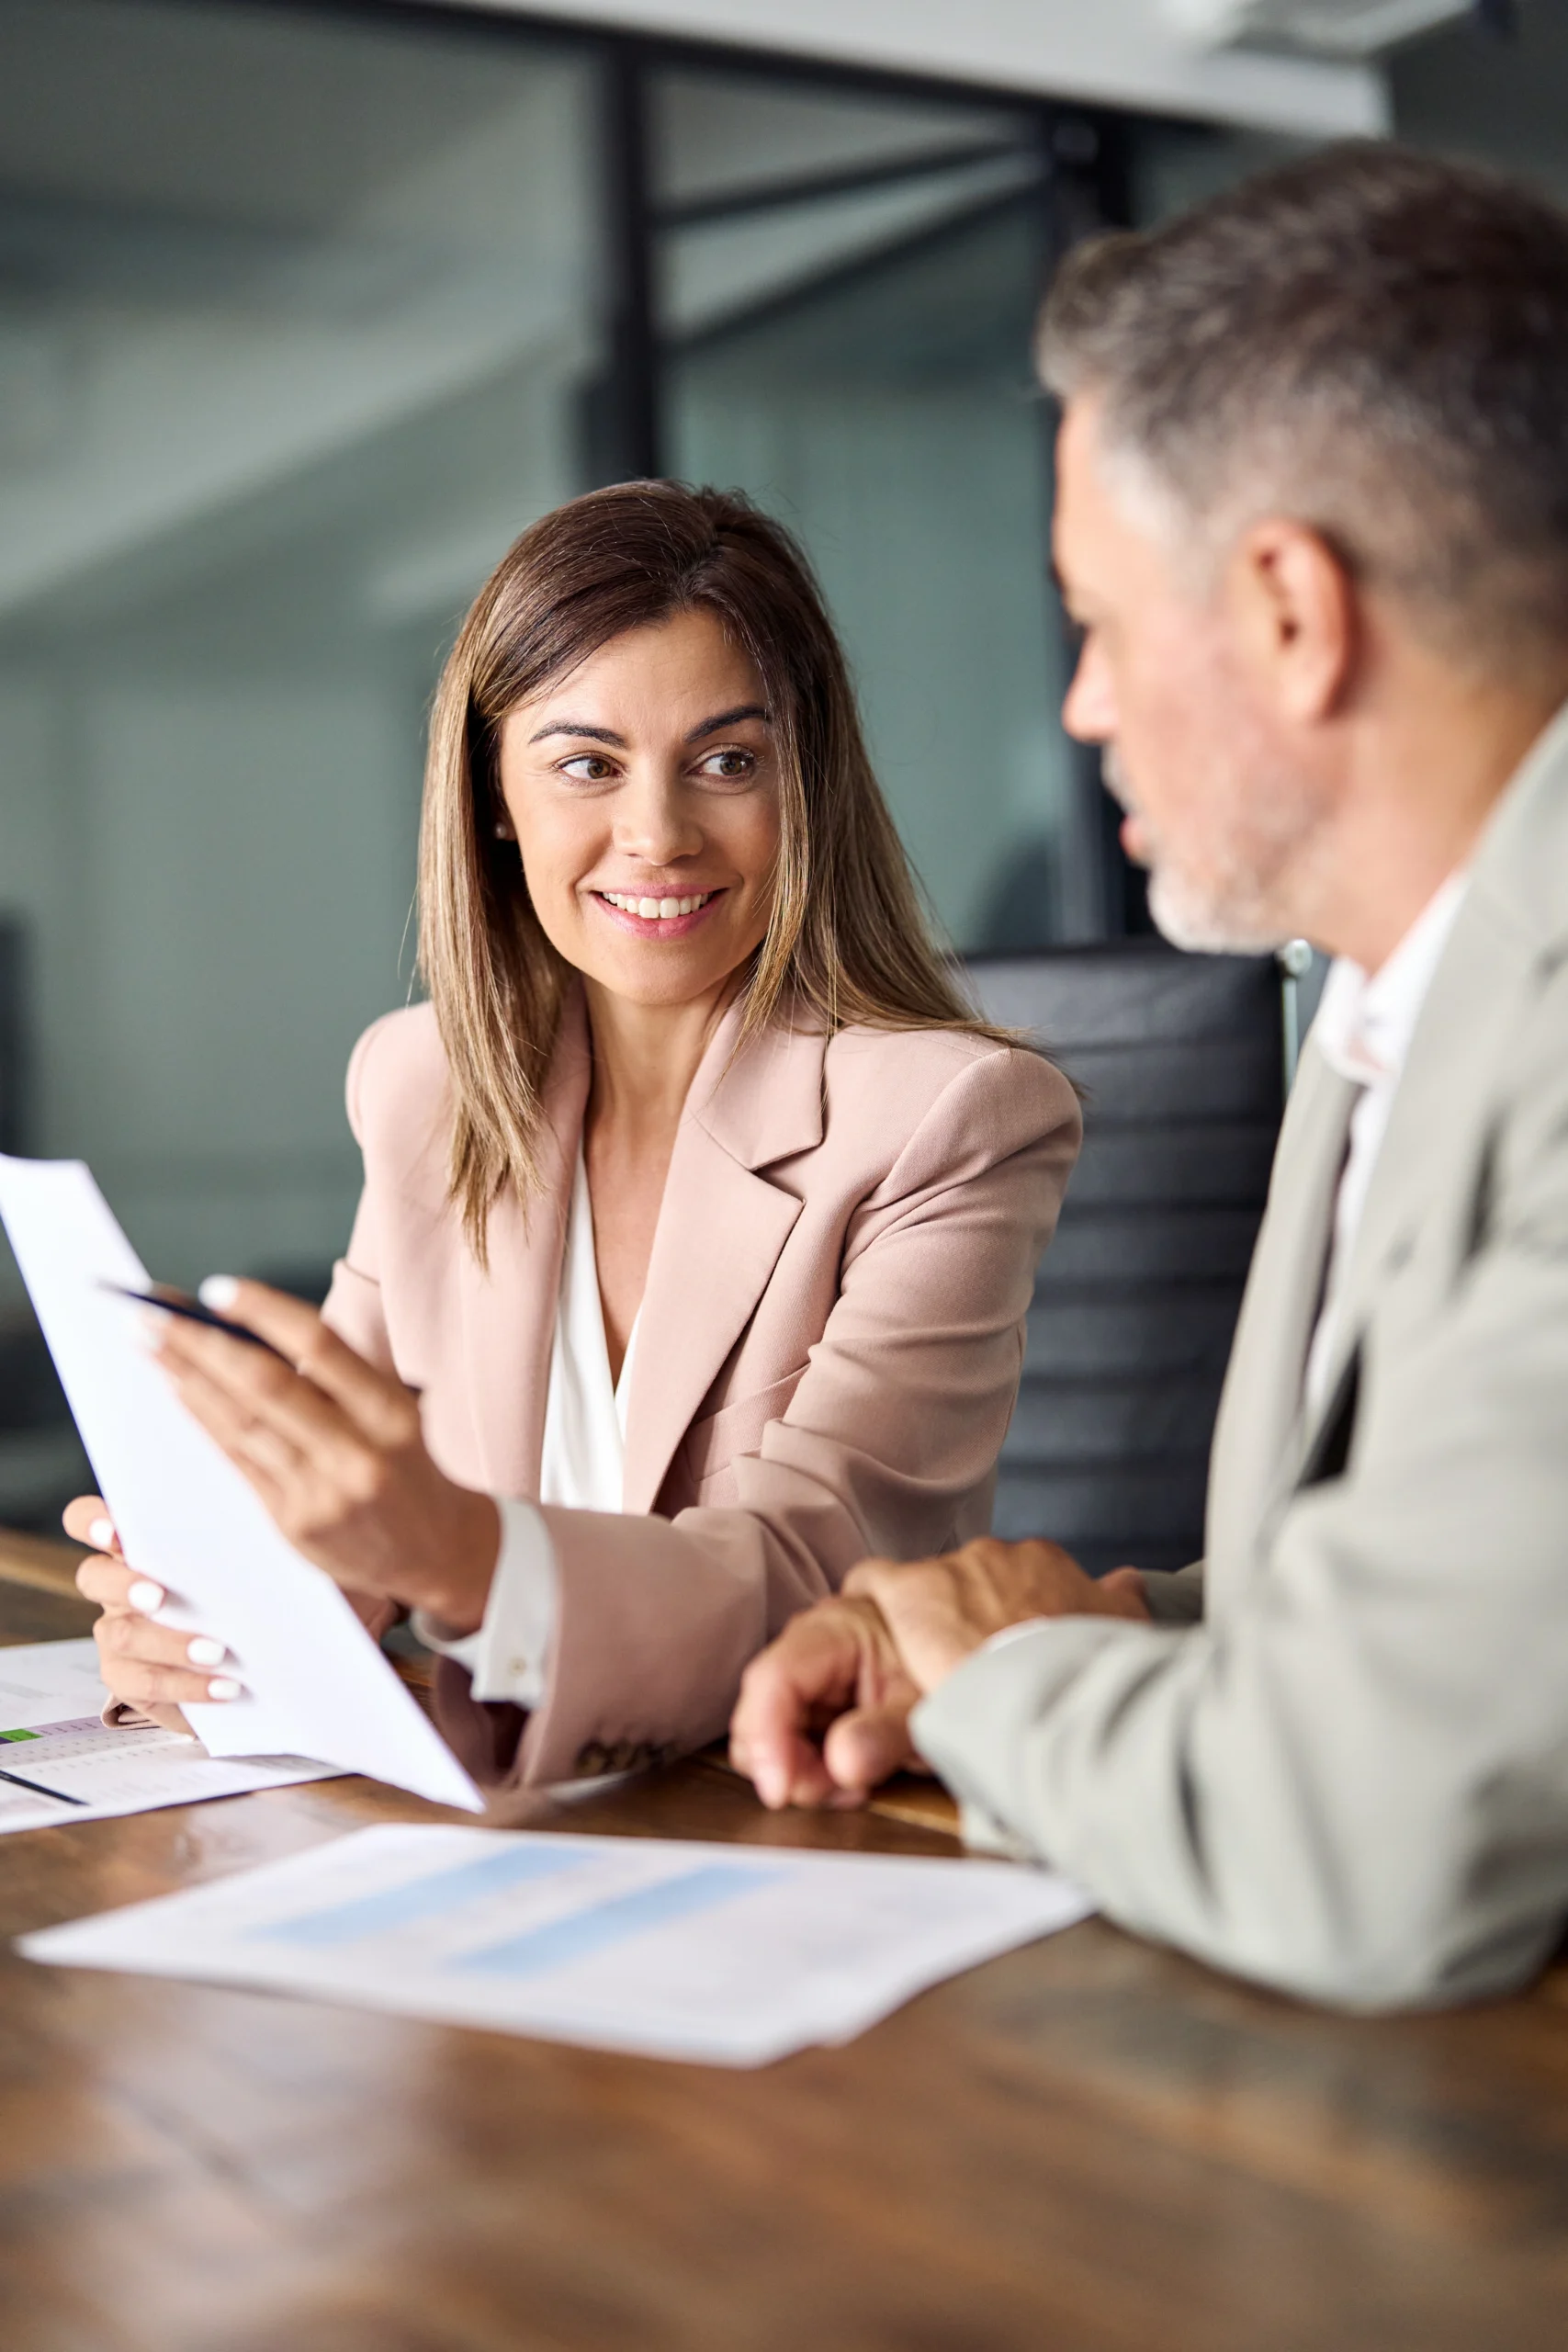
(336,1452)
(146,1666)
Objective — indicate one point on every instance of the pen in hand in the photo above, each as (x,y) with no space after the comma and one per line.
(191,1310)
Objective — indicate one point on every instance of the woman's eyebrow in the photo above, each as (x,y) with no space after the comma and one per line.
(571,726)
(727,718)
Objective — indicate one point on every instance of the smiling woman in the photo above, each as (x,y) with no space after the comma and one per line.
(701,1215)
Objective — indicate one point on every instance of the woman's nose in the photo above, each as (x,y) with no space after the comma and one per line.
(654,822)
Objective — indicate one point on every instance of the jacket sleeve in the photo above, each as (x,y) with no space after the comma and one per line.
(1355,1787)
(353,1307)
(897,1418)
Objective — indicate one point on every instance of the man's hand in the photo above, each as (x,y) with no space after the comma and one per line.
(939,1611)
(852,1669)
(833,1671)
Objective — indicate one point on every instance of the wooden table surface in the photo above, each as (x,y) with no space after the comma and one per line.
(1088,2145)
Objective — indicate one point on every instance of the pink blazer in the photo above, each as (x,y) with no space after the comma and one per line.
(830,1347)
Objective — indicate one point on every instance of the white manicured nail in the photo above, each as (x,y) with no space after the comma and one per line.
(205,1651)
(223,1686)
(219,1292)
(147,1597)
(101,1535)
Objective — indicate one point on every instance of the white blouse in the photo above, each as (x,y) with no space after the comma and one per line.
(581,1467)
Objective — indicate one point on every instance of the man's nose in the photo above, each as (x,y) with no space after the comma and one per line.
(1088,710)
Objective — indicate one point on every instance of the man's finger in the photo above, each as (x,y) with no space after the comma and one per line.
(812,1666)
(867,1745)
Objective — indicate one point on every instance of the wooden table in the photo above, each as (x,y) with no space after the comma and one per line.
(1089,2146)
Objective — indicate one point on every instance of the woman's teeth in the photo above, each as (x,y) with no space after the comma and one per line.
(656,910)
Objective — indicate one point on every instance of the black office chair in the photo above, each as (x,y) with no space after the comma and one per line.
(42,1463)
(1181,1060)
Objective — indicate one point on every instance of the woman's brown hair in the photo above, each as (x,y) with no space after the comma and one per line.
(847,940)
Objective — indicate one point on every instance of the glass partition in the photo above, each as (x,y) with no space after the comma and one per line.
(848,288)
(293,317)
(304,313)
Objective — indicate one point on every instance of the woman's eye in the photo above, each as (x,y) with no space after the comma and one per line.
(732,766)
(587,767)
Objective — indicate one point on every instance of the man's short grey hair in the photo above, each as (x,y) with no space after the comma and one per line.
(1371,341)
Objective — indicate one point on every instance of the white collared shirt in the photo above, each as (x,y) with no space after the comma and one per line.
(1363,1031)
(582,1465)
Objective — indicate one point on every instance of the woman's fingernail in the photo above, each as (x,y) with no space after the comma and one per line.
(773,1785)
(219,1292)
(147,1597)
(223,1686)
(101,1535)
(205,1651)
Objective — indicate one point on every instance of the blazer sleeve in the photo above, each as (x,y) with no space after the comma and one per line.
(353,1304)
(353,1308)
(897,1418)
(1355,1786)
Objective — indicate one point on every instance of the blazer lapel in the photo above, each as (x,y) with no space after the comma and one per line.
(1516,908)
(721,1229)
(1260,1409)
(508,1311)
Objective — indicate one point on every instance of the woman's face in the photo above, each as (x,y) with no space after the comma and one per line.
(643,790)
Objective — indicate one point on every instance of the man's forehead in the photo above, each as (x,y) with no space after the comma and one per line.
(1085,511)
(1108,527)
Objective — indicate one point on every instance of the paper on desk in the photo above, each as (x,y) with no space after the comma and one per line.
(52,1735)
(722,1954)
(318,1685)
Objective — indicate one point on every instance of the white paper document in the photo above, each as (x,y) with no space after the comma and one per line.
(317,1685)
(730,1955)
(59,1762)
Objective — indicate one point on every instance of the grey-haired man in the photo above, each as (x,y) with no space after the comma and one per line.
(1313,521)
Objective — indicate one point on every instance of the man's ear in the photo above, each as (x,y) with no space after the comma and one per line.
(1295,605)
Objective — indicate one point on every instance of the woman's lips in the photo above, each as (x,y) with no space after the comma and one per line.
(661,927)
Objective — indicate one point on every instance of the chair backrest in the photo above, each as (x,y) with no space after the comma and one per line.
(13,1068)
(1181,1061)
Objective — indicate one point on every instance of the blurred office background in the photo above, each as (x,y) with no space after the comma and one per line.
(305,310)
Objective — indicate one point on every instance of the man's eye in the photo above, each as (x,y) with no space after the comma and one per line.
(587,767)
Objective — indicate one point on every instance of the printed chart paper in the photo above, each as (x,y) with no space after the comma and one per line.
(316,1683)
(720,1954)
(59,1762)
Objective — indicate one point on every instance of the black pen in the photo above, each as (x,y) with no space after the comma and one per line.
(37,1789)
(177,1302)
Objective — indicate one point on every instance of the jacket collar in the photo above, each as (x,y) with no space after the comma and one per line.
(761,1100)
(721,1228)
(1513,916)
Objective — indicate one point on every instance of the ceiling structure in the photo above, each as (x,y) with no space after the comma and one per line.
(1112,53)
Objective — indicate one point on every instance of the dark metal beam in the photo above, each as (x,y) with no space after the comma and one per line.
(625,435)
(819,187)
(1087,189)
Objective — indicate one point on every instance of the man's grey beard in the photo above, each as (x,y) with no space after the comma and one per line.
(1234,918)
(1207,929)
